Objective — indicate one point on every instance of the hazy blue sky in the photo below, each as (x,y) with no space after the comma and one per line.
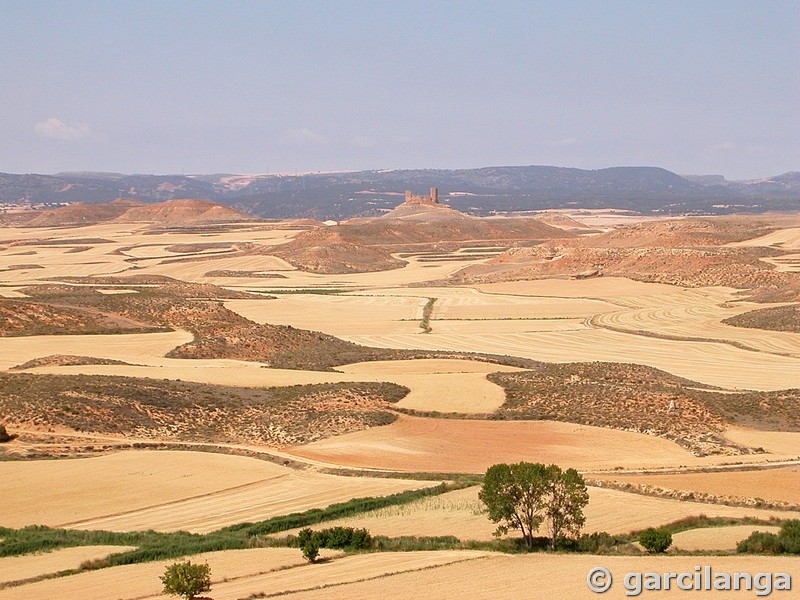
(254,87)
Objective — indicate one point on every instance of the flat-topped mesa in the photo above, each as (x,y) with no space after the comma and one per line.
(430,200)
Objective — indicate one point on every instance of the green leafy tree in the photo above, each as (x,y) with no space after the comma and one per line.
(186,579)
(655,541)
(566,495)
(524,495)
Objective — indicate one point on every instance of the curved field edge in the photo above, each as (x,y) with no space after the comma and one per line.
(174,410)
(644,400)
(774,318)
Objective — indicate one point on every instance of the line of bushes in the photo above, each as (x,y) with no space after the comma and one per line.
(337,511)
(786,541)
(152,545)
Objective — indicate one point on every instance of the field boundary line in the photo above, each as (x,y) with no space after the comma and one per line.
(173,502)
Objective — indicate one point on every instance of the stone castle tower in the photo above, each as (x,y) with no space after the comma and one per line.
(431,200)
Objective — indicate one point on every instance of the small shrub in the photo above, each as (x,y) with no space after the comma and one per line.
(311,550)
(186,579)
(655,541)
(594,543)
(5,436)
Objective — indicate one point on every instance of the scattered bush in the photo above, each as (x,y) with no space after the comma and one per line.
(596,543)
(655,541)
(186,579)
(787,541)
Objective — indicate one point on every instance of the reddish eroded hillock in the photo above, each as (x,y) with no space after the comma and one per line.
(80,214)
(127,210)
(326,250)
(182,212)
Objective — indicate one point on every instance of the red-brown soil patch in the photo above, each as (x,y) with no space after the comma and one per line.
(450,445)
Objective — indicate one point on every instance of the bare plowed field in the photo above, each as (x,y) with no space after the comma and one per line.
(450,445)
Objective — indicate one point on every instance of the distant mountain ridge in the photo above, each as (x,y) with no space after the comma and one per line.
(482,191)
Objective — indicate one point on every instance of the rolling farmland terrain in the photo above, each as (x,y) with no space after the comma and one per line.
(183,369)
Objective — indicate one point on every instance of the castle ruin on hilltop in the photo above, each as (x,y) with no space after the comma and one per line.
(431,200)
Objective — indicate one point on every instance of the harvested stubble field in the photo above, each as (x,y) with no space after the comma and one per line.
(552,576)
(716,539)
(29,566)
(779,484)
(241,573)
(170,491)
